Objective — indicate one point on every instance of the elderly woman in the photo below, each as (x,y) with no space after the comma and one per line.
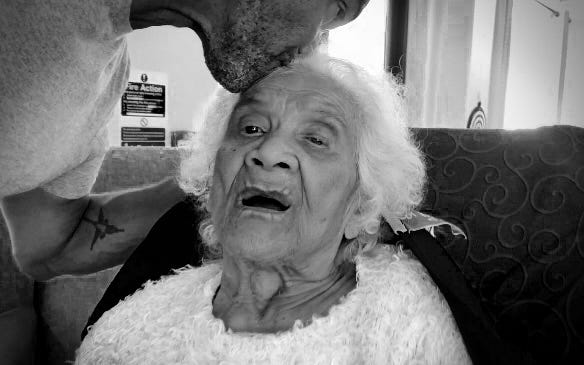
(296,173)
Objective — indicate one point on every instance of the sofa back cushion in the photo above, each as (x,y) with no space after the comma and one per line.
(519,196)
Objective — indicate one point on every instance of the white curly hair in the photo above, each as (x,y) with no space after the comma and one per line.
(391,171)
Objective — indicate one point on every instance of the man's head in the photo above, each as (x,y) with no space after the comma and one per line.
(256,36)
(244,40)
(321,144)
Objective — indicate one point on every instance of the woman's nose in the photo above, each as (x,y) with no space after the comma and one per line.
(272,153)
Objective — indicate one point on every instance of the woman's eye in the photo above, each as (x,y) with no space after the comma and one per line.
(316,140)
(252,130)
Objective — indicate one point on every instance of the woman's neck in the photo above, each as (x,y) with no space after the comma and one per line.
(270,298)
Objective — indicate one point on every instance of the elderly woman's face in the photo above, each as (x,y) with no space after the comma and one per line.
(286,171)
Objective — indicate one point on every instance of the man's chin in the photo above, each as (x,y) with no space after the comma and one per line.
(232,83)
(237,77)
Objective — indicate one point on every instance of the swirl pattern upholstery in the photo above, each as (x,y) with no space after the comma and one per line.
(519,196)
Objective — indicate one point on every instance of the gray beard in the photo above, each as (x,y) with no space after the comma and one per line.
(237,54)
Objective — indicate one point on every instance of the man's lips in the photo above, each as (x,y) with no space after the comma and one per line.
(271,200)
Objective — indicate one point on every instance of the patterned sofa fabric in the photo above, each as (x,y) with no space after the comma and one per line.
(519,195)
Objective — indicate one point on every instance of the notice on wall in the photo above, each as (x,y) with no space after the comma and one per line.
(144,112)
(133,136)
(144,100)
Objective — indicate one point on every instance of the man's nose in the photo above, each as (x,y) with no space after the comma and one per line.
(272,153)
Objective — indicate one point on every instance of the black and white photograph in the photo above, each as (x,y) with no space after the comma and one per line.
(292,182)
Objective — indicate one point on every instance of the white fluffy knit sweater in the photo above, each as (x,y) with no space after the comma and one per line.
(395,315)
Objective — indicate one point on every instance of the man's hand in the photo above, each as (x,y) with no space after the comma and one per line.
(53,236)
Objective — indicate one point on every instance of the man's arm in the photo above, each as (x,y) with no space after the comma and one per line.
(53,236)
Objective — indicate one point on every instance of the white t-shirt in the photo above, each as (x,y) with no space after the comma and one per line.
(63,67)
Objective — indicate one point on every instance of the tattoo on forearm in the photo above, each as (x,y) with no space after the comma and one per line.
(102,227)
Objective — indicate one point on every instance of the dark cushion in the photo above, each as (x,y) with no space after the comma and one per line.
(17,336)
(519,195)
(17,316)
(16,289)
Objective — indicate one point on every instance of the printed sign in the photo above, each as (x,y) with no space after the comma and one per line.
(144,112)
(134,136)
(144,100)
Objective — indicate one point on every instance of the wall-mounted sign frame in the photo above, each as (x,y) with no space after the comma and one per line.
(144,112)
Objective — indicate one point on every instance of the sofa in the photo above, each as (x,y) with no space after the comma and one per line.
(518,195)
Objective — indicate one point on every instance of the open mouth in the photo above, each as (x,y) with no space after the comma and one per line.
(269,200)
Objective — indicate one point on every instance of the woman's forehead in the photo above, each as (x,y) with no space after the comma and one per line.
(305,86)
(296,77)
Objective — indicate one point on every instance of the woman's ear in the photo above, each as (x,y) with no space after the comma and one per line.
(208,204)
(351,222)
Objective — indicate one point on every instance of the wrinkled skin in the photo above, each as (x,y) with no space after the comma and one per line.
(289,135)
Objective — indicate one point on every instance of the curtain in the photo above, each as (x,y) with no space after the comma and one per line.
(427,32)
(438,59)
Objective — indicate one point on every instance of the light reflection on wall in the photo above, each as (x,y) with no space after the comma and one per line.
(534,66)
(363,40)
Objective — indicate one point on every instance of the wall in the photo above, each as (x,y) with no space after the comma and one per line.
(456,67)
(534,65)
(574,85)
(535,95)
(438,60)
(178,53)
(363,40)
(480,60)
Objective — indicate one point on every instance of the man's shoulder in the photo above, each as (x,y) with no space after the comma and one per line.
(64,66)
